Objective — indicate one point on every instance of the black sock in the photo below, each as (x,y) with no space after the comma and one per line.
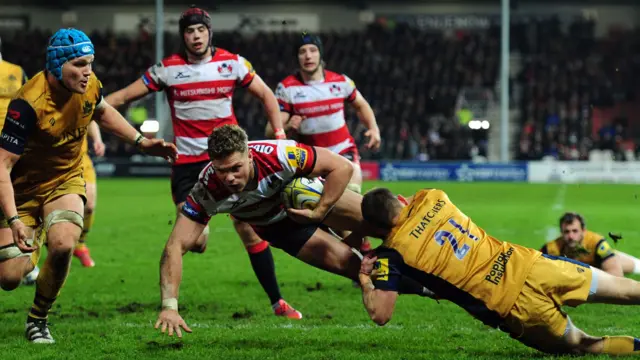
(410,287)
(262,263)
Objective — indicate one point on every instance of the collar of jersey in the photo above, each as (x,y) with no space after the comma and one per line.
(313,82)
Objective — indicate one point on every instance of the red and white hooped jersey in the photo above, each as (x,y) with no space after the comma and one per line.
(199,96)
(276,163)
(322,104)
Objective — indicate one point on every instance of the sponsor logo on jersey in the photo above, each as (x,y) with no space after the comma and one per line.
(9,139)
(14,114)
(499,267)
(426,219)
(249,67)
(297,157)
(262,148)
(381,268)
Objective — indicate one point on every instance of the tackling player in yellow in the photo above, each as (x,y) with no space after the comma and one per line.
(42,190)
(506,286)
(579,243)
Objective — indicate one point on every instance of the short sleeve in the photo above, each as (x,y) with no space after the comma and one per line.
(155,78)
(25,78)
(351,90)
(604,250)
(194,207)
(283,99)
(100,94)
(544,249)
(387,269)
(20,121)
(300,159)
(246,73)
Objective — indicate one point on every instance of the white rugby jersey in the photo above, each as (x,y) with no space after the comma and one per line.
(199,97)
(276,163)
(322,103)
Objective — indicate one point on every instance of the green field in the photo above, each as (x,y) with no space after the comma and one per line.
(108,312)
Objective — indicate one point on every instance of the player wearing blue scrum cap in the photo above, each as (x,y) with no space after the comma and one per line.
(45,128)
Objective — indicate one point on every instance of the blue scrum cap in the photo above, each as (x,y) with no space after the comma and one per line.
(65,45)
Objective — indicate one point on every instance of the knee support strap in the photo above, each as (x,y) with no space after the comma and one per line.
(58,216)
(11,251)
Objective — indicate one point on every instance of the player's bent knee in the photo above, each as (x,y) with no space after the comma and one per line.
(63,228)
(13,270)
(9,284)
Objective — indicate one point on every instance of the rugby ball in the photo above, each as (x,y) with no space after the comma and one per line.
(302,193)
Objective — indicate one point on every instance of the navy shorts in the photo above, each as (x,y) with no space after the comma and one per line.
(287,235)
(183,177)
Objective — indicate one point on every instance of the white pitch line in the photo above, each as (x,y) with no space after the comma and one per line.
(288,326)
(551,232)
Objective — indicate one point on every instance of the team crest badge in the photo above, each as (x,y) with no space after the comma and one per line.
(335,90)
(225,69)
(87,108)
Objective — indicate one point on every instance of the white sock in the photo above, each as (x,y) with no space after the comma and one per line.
(636,268)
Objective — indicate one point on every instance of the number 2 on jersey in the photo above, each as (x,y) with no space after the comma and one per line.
(442,236)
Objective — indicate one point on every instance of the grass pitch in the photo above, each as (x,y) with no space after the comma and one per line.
(108,312)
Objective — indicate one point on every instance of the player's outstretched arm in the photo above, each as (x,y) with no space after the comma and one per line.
(368,118)
(260,90)
(111,120)
(133,92)
(337,171)
(183,237)
(379,303)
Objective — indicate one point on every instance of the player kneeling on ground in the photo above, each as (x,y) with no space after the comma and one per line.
(517,289)
(576,242)
(245,179)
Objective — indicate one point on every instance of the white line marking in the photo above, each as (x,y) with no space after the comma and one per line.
(292,326)
(551,232)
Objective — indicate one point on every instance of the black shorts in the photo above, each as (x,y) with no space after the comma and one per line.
(183,177)
(287,235)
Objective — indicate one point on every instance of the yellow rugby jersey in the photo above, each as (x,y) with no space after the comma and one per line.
(48,135)
(593,250)
(438,245)
(12,77)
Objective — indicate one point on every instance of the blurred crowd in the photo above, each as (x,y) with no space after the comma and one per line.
(413,80)
(568,76)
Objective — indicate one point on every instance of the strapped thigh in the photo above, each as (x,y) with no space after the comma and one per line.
(40,235)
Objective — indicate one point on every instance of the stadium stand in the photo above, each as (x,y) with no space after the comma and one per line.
(578,92)
(574,93)
(412,84)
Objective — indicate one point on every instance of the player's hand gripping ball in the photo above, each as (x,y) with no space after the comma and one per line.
(302,193)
